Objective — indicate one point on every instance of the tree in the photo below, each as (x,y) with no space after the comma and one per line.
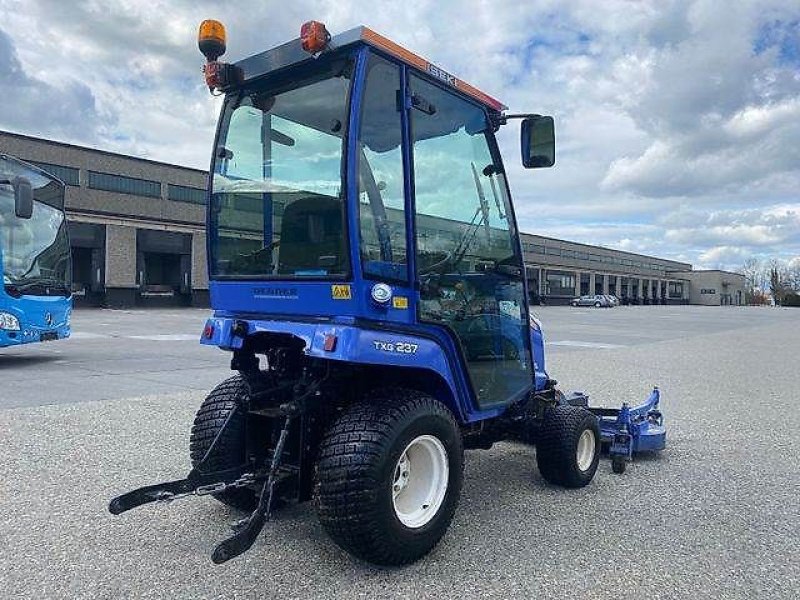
(753,272)
(793,275)
(777,281)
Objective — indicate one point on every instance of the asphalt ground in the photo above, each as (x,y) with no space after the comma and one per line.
(716,515)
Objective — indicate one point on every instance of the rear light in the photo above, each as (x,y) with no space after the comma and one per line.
(208,331)
(220,76)
(330,343)
(314,38)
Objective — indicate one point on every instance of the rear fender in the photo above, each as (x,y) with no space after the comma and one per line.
(355,345)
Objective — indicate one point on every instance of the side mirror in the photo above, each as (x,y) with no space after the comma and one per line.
(538,142)
(23,197)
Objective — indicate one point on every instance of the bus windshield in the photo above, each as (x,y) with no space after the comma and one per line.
(34,253)
(277,199)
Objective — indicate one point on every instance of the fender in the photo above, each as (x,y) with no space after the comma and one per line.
(352,344)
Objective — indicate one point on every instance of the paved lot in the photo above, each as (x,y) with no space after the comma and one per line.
(717,515)
(114,354)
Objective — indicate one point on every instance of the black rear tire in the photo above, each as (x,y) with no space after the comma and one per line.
(231,447)
(357,467)
(557,446)
(618,464)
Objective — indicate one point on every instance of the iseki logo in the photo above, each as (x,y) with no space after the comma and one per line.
(442,74)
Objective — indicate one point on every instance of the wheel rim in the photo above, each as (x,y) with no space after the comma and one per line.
(420,481)
(585,452)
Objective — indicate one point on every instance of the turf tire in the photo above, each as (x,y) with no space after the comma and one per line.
(230,449)
(557,442)
(355,470)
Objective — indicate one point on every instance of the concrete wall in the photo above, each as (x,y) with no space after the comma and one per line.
(716,288)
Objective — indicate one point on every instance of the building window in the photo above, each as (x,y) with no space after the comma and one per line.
(585,280)
(69,175)
(560,283)
(675,289)
(553,251)
(124,185)
(182,193)
(536,248)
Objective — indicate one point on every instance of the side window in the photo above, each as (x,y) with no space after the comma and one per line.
(381,196)
(461,202)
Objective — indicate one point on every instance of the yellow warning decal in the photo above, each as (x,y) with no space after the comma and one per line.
(400,302)
(341,291)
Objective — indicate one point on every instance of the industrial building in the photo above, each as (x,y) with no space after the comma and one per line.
(137,230)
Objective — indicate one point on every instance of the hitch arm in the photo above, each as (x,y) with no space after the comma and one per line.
(247,531)
(196,483)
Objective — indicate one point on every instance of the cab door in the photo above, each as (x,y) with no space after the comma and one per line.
(469,267)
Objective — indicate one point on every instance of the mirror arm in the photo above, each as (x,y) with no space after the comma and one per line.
(503,119)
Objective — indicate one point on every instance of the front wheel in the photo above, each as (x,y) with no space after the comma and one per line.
(618,464)
(597,305)
(568,446)
(389,476)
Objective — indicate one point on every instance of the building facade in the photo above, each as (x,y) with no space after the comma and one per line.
(559,270)
(137,229)
(716,288)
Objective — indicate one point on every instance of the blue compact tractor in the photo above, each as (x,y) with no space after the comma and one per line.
(366,276)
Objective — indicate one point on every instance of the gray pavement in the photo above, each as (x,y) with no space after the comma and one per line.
(716,515)
(114,354)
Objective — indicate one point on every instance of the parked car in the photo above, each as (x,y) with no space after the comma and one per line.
(613,300)
(596,300)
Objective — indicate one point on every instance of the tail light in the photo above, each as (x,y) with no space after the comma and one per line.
(314,38)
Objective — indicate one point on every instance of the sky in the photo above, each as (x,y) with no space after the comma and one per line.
(677,123)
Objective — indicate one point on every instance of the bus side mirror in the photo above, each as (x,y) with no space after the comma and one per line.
(538,141)
(23,197)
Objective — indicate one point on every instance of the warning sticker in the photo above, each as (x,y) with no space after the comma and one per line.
(400,302)
(341,291)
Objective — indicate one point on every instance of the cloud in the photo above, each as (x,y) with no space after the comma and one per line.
(33,105)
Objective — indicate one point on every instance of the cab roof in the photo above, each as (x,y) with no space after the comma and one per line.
(291,53)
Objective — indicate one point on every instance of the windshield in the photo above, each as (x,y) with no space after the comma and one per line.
(277,204)
(35,251)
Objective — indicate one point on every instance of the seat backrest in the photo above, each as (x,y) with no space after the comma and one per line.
(312,237)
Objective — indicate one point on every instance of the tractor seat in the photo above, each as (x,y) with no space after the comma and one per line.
(312,237)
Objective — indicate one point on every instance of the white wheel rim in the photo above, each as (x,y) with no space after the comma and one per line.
(419,482)
(585,452)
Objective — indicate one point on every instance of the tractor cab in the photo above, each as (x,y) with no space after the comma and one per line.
(353,181)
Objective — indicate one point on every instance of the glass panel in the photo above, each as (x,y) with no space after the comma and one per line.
(469,269)
(381,195)
(182,193)
(124,185)
(69,175)
(35,252)
(560,283)
(278,199)
(585,279)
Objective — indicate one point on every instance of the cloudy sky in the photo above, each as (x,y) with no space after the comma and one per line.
(678,123)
